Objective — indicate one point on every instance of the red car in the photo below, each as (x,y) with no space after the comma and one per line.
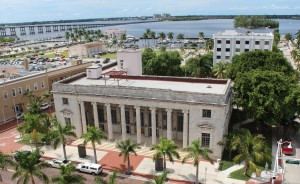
(287,148)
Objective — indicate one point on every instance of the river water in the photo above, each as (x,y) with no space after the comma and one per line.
(188,28)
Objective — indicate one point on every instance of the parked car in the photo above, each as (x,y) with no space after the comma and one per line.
(17,155)
(57,163)
(106,60)
(44,106)
(89,168)
(287,147)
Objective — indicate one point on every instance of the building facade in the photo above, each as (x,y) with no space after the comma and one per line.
(87,50)
(147,107)
(12,100)
(230,43)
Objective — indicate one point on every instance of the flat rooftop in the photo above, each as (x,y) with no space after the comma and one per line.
(235,33)
(210,86)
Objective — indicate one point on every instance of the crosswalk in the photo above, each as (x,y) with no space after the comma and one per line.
(143,151)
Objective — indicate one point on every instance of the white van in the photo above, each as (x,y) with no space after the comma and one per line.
(89,168)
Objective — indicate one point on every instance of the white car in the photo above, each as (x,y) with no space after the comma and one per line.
(57,163)
(44,106)
(89,168)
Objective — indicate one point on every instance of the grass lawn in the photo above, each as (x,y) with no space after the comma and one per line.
(27,137)
(109,55)
(65,53)
(225,165)
(239,174)
(48,56)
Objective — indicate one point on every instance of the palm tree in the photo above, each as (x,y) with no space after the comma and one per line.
(209,45)
(28,167)
(153,36)
(298,39)
(251,149)
(180,36)
(166,148)
(58,135)
(93,135)
(229,142)
(5,160)
(201,35)
(162,36)
(288,37)
(220,70)
(170,37)
(162,178)
(111,180)
(295,54)
(67,176)
(145,37)
(67,35)
(32,126)
(125,148)
(195,151)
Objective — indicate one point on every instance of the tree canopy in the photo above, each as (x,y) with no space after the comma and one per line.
(264,95)
(261,60)
(254,22)
(163,64)
(200,66)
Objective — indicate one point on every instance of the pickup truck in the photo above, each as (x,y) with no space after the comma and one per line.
(89,168)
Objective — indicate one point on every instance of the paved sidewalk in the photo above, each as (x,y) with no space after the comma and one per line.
(141,165)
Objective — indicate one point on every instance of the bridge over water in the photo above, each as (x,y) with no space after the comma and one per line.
(59,27)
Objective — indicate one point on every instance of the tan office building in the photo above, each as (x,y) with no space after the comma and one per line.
(12,89)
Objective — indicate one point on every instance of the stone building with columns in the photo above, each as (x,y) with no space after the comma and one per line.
(145,108)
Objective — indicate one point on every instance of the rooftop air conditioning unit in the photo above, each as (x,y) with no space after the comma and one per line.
(94,72)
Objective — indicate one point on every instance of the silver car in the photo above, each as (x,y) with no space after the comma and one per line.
(57,163)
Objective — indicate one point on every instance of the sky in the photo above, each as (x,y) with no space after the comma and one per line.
(12,11)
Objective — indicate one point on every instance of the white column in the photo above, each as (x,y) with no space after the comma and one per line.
(169,124)
(123,122)
(83,117)
(153,121)
(185,128)
(109,122)
(96,119)
(138,123)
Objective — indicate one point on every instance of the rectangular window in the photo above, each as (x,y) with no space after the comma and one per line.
(218,57)
(114,116)
(43,84)
(5,94)
(65,101)
(13,92)
(127,117)
(247,42)
(27,88)
(227,49)
(121,64)
(206,113)
(246,50)
(205,140)
(267,42)
(227,57)
(180,122)
(219,41)
(256,42)
(227,41)
(237,50)
(218,49)
(100,115)
(20,91)
(238,42)
(68,121)
(142,119)
(35,87)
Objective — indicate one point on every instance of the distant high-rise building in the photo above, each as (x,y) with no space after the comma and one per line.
(230,43)
(157,16)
